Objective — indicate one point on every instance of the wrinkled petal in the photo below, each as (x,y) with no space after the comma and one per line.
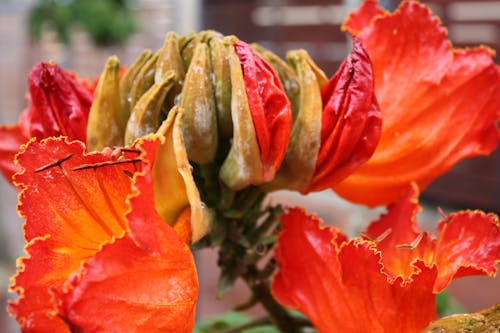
(465,242)
(343,288)
(124,288)
(439,105)
(86,206)
(360,19)
(351,121)
(59,103)
(270,108)
(161,298)
(468,244)
(69,215)
(396,231)
(11,139)
(75,206)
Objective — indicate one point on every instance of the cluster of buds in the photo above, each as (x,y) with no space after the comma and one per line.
(237,113)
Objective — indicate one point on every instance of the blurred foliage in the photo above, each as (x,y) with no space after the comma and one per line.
(446,305)
(107,21)
(232,321)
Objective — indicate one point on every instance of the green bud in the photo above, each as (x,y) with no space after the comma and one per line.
(145,118)
(106,124)
(302,152)
(197,106)
(130,76)
(242,166)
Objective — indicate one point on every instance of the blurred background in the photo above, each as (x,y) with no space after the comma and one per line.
(81,34)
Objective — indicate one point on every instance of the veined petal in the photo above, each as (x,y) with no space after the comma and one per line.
(468,244)
(70,195)
(38,278)
(69,215)
(161,298)
(439,105)
(398,235)
(351,121)
(82,243)
(465,243)
(343,288)
(11,139)
(125,288)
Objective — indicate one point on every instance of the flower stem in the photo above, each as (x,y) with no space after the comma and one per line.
(279,316)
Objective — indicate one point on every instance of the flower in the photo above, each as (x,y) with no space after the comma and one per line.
(386,281)
(59,104)
(100,257)
(337,123)
(439,105)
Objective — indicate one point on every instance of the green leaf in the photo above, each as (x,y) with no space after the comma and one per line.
(262,329)
(224,321)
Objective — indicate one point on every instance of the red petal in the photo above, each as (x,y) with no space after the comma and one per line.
(438,105)
(11,139)
(351,121)
(468,244)
(38,277)
(345,290)
(270,108)
(124,288)
(69,216)
(59,103)
(358,20)
(395,231)
(84,207)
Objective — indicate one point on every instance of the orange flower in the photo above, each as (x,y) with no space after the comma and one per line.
(386,283)
(337,125)
(439,105)
(59,104)
(100,257)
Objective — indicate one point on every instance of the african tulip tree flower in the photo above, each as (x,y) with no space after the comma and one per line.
(385,282)
(58,104)
(439,104)
(100,257)
(336,126)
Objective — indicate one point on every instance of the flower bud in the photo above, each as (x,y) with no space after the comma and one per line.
(107,121)
(257,95)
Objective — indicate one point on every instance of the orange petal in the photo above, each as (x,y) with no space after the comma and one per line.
(38,277)
(343,289)
(11,139)
(83,208)
(439,105)
(69,215)
(146,280)
(125,288)
(358,20)
(351,121)
(468,244)
(396,231)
